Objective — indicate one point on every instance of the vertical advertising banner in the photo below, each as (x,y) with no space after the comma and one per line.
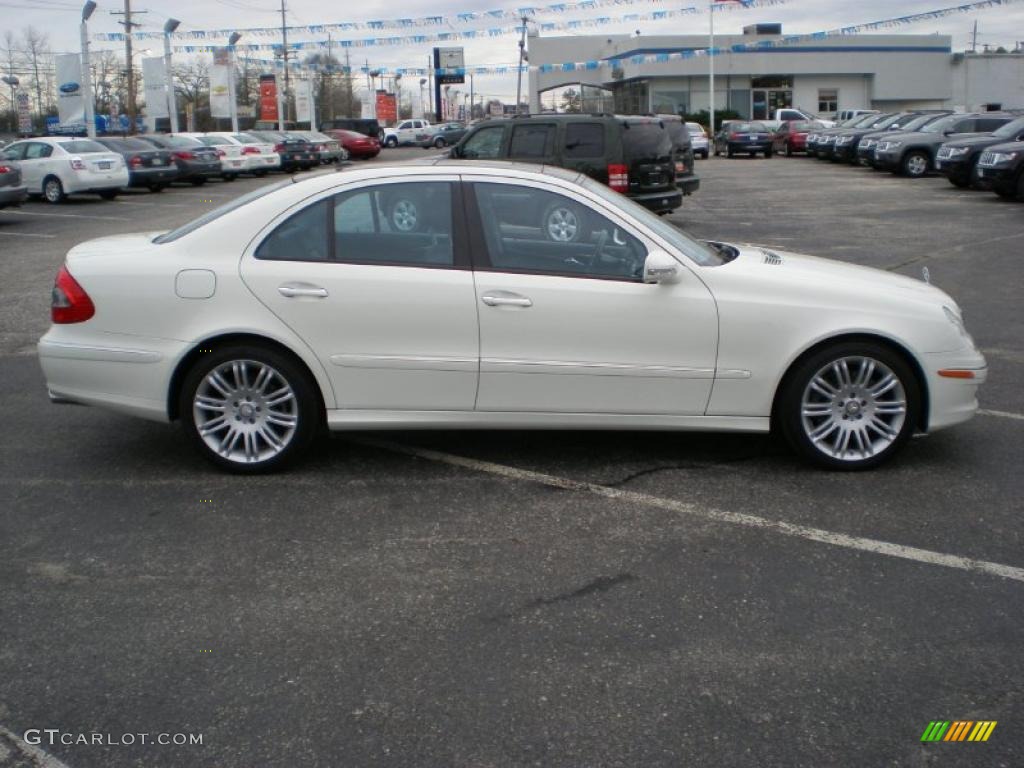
(387,107)
(154,87)
(24,111)
(70,104)
(268,97)
(220,84)
(304,102)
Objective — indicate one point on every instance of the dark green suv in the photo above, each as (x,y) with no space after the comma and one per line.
(632,155)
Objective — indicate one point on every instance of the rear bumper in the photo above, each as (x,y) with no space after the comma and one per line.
(95,182)
(12,195)
(759,146)
(145,177)
(688,184)
(659,202)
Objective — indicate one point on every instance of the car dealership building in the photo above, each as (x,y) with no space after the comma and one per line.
(824,75)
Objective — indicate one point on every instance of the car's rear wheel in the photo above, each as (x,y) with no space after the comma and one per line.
(157,187)
(768,153)
(959,181)
(849,406)
(249,409)
(563,223)
(108,194)
(53,190)
(789,149)
(198,182)
(915,164)
(440,143)
(391,142)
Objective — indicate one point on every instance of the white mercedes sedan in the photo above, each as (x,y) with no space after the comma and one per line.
(494,295)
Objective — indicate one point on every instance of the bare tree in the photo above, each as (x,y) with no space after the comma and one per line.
(39,60)
(193,85)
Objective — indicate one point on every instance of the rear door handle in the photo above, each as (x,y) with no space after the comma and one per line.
(294,290)
(505,299)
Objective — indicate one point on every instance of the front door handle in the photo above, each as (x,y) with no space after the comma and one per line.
(293,290)
(505,299)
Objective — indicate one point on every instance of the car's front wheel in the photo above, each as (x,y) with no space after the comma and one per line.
(849,406)
(440,143)
(915,164)
(248,409)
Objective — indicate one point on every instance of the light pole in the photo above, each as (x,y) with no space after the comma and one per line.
(172,101)
(235,37)
(89,116)
(423,102)
(14,82)
(445,110)
(398,95)
(522,55)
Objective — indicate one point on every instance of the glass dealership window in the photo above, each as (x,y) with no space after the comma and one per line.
(828,100)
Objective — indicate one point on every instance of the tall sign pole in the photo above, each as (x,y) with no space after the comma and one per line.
(90,117)
(172,102)
(711,67)
(519,80)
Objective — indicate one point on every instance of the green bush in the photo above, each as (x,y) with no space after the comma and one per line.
(704,117)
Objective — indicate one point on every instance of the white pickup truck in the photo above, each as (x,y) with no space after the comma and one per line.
(793,113)
(406,131)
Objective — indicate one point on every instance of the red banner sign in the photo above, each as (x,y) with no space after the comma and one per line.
(387,107)
(268,97)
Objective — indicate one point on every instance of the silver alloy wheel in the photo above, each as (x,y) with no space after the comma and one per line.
(405,216)
(245,411)
(853,408)
(562,225)
(917,165)
(53,191)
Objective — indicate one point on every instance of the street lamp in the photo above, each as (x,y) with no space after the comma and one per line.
(235,37)
(90,116)
(12,81)
(423,102)
(172,102)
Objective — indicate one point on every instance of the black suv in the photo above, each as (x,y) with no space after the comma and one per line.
(956,159)
(682,147)
(367,127)
(632,155)
(913,122)
(913,154)
(1001,169)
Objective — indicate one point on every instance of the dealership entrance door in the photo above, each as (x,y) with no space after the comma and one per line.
(768,94)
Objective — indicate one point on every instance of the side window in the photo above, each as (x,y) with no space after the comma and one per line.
(540,232)
(37,151)
(584,140)
(965,126)
(532,141)
(302,237)
(989,124)
(485,144)
(400,224)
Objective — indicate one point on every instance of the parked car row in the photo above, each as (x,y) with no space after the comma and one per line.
(54,167)
(983,150)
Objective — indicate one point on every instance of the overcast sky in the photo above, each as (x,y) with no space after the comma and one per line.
(996,26)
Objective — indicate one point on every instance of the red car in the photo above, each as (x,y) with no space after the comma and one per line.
(791,136)
(358,145)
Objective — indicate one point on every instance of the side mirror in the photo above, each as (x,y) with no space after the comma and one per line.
(659,267)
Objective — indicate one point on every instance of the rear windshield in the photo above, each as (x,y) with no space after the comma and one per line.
(645,140)
(694,128)
(677,132)
(182,141)
(213,141)
(82,147)
(136,145)
(245,138)
(748,127)
(216,213)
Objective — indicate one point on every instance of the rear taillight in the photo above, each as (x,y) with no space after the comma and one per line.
(221,153)
(618,177)
(279,147)
(136,161)
(250,150)
(69,302)
(184,156)
(5,169)
(733,136)
(77,164)
(680,166)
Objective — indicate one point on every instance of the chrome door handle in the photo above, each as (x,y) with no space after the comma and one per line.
(291,291)
(505,300)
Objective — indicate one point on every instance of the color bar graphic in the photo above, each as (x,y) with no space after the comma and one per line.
(958,730)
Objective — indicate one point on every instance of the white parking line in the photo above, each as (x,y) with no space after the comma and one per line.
(39,758)
(1001,414)
(717,515)
(24,234)
(64,215)
(157,204)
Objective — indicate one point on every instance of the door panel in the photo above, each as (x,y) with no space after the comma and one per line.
(567,326)
(392,319)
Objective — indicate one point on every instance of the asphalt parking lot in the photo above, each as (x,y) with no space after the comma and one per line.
(525,598)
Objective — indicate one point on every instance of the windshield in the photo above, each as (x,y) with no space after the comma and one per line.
(646,140)
(677,132)
(82,147)
(216,213)
(245,138)
(885,122)
(918,121)
(941,125)
(182,141)
(1011,129)
(700,253)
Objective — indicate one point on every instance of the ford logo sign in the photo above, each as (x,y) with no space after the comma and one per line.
(69,88)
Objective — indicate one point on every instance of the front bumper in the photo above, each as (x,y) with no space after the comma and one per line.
(888,160)
(953,400)
(958,168)
(846,152)
(989,177)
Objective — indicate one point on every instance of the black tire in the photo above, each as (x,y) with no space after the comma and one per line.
(260,174)
(768,154)
(304,408)
(440,143)
(109,194)
(789,149)
(157,187)
(790,420)
(915,164)
(728,152)
(230,176)
(53,190)
(1020,187)
(198,182)
(959,181)
(391,141)
(564,222)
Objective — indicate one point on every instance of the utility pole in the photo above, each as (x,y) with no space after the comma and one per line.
(330,80)
(519,81)
(284,55)
(128,25)
(974,37)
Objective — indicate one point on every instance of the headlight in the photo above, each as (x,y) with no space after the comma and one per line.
(958,151)
(998,158)
(957,319)
(893,144)
(844,139)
